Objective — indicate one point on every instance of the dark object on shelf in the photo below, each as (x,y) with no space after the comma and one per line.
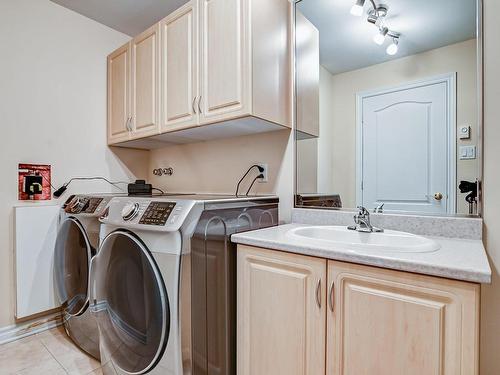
(139,187)
(318,200)
(471,198)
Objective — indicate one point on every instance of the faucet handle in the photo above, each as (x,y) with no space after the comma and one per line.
(363,211)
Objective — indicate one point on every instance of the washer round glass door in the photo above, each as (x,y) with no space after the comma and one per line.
(73,253)
(130,304)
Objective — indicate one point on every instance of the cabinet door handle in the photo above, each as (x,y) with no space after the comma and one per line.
(127,124)
(318,293)
(130,124)
(199,105)
(193,103)
(332,297)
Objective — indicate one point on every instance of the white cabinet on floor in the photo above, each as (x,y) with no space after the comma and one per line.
(378,321)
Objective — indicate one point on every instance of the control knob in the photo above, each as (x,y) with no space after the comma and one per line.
(130,211)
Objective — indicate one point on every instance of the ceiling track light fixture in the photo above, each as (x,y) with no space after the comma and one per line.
(357,8)
(376,16)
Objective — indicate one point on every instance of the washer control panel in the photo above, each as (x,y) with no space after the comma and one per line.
(85,205)
(93,205)
(157,213)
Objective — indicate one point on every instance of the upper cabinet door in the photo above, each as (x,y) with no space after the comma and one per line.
(180,68)
(392,323)
(281,307)
(118,95)
(225,66)
(145,83)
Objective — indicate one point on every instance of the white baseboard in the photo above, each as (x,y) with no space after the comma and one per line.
(25,329)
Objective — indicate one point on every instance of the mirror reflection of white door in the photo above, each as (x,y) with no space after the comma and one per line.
(406,147)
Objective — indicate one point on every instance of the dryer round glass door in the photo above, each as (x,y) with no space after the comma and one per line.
(73,253)
(130,304)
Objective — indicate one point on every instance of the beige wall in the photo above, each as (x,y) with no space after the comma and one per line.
(460,58)
(490,313)
(216,166)
(53,110)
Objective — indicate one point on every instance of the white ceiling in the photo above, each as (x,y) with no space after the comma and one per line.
(346,42)
(128,16)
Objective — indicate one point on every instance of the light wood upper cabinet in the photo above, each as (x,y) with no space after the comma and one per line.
(307,78)
(145,83)
(225,78)
(392,323)
(245,60)
(118,94)
(281,313)
(209,62)
(179,50)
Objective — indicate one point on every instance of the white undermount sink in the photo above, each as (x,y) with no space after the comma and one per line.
(341,237)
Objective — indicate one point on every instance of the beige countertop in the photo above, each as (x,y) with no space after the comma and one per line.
(459,259)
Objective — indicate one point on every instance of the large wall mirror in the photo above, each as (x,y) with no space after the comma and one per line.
(388,105)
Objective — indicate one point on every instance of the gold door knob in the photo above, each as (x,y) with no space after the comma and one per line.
(438,196)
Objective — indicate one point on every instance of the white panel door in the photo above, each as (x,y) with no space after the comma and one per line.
(406,136)
(180,68)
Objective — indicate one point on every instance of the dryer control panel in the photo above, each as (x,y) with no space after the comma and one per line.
(157,213)
(152,214)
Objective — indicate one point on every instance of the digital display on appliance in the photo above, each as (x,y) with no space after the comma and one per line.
(157,213)
(93,204)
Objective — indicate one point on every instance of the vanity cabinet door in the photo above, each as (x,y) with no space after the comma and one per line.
(118,95)
(179,50)
(145,83)
(281,313)
(388,322)
(224,59)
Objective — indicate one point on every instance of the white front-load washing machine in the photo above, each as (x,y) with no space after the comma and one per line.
(76,244)
(163,284)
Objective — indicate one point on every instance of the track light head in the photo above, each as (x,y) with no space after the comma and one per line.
(357,9)
(392,49)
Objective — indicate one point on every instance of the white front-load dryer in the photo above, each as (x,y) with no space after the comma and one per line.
(76,244)
(135,286)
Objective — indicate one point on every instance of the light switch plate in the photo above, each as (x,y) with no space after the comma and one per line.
(467,152)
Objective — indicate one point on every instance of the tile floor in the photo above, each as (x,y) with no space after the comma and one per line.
(46,353)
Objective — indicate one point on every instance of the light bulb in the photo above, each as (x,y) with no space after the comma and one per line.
(357,9)
(393,48)
(379,39)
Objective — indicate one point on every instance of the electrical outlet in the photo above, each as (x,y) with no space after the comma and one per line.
(265,173)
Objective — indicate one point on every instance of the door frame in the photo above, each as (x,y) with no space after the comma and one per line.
(450,80)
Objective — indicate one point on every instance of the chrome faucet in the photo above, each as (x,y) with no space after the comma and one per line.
(379,209)
(362,222)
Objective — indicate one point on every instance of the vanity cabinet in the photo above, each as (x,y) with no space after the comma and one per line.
(388,322)
(378,321)
(281,313)
(211,61)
